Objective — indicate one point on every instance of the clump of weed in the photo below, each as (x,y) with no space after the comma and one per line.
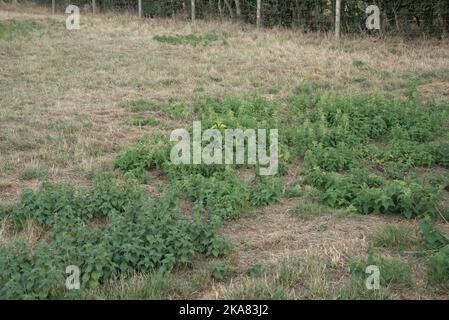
(369,193)
(358,63)
(393,237)
(34,172)
(438,264)
(359,79)
(355,288)
(438,268)
(221,270)
(149,153)
(138,105)
(392,271)
(10,29)
(293,192)
(255,270)
(139,234)
(189,39)
(266,191)
(141,122)
(223,195)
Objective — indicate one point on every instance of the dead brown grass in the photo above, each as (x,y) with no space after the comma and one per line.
(32,233)
(275,234)
(434,90)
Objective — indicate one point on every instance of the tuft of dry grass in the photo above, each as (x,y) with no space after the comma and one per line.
(274,234)
(32,233)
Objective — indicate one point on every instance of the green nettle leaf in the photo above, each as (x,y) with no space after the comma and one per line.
(435,238)
(438,264)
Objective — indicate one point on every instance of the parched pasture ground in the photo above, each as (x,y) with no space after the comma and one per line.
(69,102)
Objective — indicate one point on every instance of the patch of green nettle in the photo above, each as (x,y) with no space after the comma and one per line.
(348,143)
(137,234)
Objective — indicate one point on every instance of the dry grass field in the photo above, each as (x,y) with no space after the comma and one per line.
(64,115)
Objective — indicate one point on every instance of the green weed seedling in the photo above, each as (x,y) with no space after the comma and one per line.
(220,270)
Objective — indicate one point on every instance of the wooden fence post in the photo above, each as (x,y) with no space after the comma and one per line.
(220,9)
(53,7)
(337,18)
(238,9)
(258,15)
(192,2)
(140,8)
(94,7)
